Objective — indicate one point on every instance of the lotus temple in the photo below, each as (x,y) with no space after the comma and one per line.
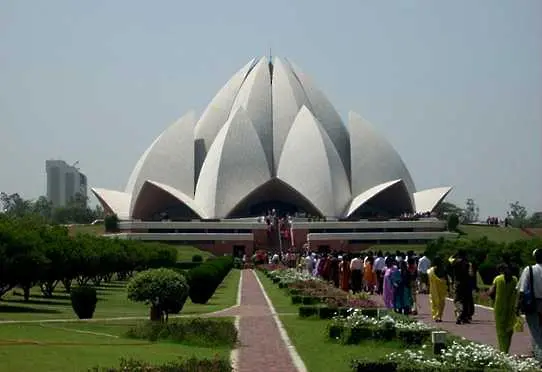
(271,164)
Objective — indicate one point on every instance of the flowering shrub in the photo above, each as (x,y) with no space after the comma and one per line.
(357,326)
(466,356)
(288,276)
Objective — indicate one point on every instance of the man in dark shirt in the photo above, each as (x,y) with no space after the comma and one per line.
(463,298)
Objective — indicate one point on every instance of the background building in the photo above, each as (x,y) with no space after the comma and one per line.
(64,182)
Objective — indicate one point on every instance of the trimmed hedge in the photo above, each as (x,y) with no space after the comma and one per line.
(84,301)
(205,278)
(188,365)
(186,265)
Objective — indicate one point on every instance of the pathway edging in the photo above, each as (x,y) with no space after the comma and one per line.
(296,358)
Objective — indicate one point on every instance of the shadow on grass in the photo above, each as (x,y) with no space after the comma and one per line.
(39,302)
(23,309)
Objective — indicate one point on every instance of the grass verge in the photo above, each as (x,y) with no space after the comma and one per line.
(309,336)
(112,302)
(78,346)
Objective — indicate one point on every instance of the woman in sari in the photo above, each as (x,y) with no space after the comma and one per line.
(388,290)
(345,274)
(403,290)
(369,276)
(438,288)
(504,293)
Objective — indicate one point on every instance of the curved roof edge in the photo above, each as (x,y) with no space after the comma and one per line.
(427,200)
(114,201)
(369,194)
(152,187)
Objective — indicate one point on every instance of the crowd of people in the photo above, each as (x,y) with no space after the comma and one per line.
(399,277)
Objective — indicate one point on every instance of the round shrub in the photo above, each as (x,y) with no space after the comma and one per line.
(164,289)
(197,258)
(453,222)
(84,301)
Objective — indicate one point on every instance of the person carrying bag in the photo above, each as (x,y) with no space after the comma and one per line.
(530,301)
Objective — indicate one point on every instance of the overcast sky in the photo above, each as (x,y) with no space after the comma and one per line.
(456,86)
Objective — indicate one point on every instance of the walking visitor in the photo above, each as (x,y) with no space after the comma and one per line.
(530,301)
(388,291)
(504,294)
(438,288)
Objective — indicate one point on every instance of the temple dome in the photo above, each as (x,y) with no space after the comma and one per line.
(269,136)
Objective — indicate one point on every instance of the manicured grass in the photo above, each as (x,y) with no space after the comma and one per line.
(309,336)
(185,253)
(80,346)
(87,229)
(496,233)
(112,303)
(281,302)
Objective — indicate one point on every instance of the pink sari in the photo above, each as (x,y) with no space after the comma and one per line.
(388,291)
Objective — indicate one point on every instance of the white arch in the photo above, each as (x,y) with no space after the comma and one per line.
(150,198)
(113,201)
(426,200)
(169,159)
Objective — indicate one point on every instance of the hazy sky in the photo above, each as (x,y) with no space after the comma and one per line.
(456,86)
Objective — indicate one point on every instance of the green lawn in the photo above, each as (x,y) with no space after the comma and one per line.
(112,302)
(79,346)
(496,233)
(310,338)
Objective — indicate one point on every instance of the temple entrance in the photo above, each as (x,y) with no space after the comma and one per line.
(238,251)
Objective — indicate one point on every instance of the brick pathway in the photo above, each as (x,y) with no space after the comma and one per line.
(261,346)
(481,330)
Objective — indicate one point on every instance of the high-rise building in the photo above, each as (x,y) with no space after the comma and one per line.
(64,182)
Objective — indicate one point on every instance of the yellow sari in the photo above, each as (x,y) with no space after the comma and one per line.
(437,290)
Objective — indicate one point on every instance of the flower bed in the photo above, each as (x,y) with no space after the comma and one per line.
(307,290)
(358,326)
(458,357)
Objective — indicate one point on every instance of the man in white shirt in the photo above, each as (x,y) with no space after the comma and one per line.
(378,267)
(534,320)
(356,266)
(309,263)
(424,264)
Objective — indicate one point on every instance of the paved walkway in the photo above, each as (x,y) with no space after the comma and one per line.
(262,346)
(482,329)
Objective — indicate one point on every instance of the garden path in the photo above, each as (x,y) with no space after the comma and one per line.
(482,329)
(264,344)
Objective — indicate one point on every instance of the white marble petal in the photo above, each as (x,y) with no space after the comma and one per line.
(288,98)
(367,195)
(218,111)
(255,99)
(311,164)
(169,160)
(426,200)
(374,160)
(326,114)
(117,202)
(235,165)
(148,197)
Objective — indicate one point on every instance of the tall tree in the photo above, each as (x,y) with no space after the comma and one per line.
(445,209)
(15,205)
(517,214)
